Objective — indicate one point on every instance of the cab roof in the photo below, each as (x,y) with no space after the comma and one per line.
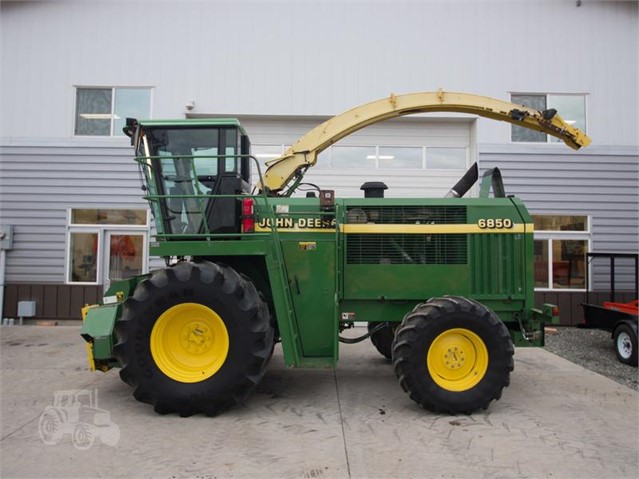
(185,122)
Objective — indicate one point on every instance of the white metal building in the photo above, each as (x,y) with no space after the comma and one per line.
(73,70)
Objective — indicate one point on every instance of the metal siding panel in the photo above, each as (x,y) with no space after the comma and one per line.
(10,303)
(76,302)
(46,297)
(38,185)
(576,311)
(554,184)
(37,295)
(50,301)
(92,294)
(63,302)
(570,311)
(565,309)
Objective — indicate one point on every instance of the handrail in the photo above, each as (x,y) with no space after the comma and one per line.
(200,196)
(261,198)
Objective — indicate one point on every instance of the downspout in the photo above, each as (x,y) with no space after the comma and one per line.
(6,243)
(3,262)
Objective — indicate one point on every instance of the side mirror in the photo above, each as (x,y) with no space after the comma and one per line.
(130,128)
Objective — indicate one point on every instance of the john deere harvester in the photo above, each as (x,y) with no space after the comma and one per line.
(444,284)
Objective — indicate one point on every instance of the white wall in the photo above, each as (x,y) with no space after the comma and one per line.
(316,58)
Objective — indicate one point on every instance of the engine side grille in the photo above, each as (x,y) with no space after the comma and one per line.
(407,248)
(407,215)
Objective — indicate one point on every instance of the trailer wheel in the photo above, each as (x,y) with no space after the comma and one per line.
(453,355)
(625,339)
(382,339)
(194,338)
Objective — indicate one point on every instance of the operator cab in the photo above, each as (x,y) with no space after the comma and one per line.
(186,166)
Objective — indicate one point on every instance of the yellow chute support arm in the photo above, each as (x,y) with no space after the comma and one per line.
(303,154)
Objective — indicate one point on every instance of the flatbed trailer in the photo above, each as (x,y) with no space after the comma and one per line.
(619,319)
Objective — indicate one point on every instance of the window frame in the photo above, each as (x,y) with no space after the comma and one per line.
(70,222)
(549,138)
(101,231)
(557,235)
(113,94)
(68,270)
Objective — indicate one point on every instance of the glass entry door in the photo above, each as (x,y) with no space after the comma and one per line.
(125,256)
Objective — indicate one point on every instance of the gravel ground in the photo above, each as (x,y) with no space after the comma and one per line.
(594,350)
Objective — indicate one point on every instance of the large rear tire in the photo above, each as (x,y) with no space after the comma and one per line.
(194,338)
(453,355)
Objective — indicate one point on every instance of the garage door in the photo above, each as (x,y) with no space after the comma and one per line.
(415,157)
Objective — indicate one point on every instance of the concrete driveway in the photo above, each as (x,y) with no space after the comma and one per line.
(556,420)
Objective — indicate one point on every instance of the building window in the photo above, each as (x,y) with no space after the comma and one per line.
(446,158)
(99,216)
(83,251)
(106,245)
(103,111)
(401,158)
(560,246)
(359,157)
(394,157)
(125,256)
(572,109)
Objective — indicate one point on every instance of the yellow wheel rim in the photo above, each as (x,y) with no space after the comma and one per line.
(189,342)
(457,359)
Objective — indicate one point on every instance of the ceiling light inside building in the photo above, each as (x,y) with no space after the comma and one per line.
(381,157)
(98,116)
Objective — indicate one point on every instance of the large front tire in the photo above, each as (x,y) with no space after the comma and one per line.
(453,355)
(194,338)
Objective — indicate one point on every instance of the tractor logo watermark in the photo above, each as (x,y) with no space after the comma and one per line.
(75,412)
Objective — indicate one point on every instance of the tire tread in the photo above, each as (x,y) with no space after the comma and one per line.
(233,288)
(406,344)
